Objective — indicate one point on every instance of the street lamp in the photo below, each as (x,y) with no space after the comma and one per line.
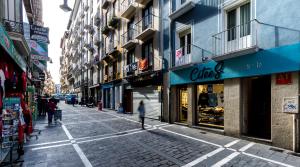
(65,6)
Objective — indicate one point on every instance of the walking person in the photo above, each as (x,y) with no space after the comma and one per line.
(52,106)
(73,100)
(141,110)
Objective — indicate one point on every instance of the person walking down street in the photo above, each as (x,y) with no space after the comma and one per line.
(73,100)
(141,110)
(52,106)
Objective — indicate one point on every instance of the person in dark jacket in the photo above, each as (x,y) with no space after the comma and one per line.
(73,100)
(141,110)
(52,105)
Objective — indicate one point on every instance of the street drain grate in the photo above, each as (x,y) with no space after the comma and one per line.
(276,149)
(203,132)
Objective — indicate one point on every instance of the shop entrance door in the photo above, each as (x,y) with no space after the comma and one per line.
(128,101)
(183,105)
(259,107)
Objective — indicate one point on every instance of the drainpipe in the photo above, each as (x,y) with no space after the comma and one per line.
(170,61)
(297,123)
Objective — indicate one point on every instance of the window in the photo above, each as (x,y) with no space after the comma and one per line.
(242,24)
(148,52)
(231,25)
(130,28)
(210,105)
(186,42)
(183,1)
(130,57)
(245,19)
(147,16)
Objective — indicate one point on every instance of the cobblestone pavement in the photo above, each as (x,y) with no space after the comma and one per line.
(87,137)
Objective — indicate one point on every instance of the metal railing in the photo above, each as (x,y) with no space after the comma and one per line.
(112,45)
(145,23)
(13,26)
(235,38)
(190,54)
(253,34)
(128,36)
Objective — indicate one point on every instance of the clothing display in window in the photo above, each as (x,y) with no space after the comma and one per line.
(203,99)
(212,100)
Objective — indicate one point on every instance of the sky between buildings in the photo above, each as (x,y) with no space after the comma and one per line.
(57,20)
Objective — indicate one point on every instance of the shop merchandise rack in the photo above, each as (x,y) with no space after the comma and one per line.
(9,130)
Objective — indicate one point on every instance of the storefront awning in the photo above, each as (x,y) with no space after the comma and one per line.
(9,47)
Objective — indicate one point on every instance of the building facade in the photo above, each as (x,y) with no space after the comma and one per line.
(233,68)
(114,47)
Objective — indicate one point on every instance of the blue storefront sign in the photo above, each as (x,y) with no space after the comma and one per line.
(276,60)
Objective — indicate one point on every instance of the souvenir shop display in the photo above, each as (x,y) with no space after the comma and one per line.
(10,124)
(31,102)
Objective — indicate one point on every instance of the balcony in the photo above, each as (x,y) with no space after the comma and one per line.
(96,39)
(82,32)
(128,8)
(91,30)
(105,30)
(97,19)
(105,4)
(82,14)
(237,41)
(86,7)
(142,2)
(114,22)
(87,26)
(112,48)
(145,27)
(128,39)
(16,32)
(91,82)
(189,55)
(89,47)
(131,68)
(181,8)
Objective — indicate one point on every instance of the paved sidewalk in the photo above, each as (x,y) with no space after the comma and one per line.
(87,137)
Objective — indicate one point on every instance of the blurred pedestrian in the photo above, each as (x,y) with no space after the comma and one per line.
(52,107)
(73,100)
(141,110)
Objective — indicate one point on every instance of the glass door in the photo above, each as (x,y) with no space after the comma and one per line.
(183,105)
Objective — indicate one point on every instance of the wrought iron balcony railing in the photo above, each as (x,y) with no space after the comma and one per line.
(129,36)
(146,26)
(190,54)
(13,26)
(250,37)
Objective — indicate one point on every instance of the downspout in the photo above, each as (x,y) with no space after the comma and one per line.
(170,60)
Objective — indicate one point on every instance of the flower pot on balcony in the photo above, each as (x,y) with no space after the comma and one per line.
(114,22)
(105,30)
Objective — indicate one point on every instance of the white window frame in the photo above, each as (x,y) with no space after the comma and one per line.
(239,42)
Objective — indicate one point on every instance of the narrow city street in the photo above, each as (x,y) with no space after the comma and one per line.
(87,137)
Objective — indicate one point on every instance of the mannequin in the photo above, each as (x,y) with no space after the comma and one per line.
(203,99)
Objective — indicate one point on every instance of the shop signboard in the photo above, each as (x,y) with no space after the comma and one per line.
(272,61)
(131,67)
(41,58)
(39,33)
(8,45)
(40,65)
(39,48)
(284,78)
(290,105)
